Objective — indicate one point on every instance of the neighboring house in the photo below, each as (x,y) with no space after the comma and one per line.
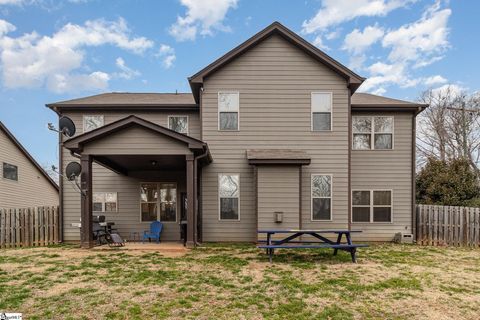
(23,182)
(273,126)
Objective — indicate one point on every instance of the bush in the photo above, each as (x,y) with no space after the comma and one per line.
(452,183)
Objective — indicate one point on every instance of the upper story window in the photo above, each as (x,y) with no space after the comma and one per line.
(228,111)
(92,122)
(321,197)
(229,196)
(178,124)
(10,171)
(321,105)
(372,133)
(105,201)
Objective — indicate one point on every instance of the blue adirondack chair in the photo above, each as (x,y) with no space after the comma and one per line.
(155,231)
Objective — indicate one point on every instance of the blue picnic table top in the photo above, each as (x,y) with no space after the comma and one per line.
(307,231)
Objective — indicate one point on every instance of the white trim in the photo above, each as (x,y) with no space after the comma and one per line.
(176,116)
(371,206)
(331,111)
(372,133)
(158,183)
(218,192)
(104,202)
(92,115)
(238,111)
(331,197)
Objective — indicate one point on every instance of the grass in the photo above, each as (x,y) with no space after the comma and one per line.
(221,281)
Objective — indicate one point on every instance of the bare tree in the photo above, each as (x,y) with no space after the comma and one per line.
(450,127)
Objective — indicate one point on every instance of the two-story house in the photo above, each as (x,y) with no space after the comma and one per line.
(272,135)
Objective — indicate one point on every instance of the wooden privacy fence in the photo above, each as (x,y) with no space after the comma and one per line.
(27,227)
(447,225)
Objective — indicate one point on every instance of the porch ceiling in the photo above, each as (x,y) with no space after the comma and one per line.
(125,164)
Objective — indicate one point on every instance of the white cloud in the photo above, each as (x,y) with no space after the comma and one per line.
(318,42)
(422,40)
(358,41)
(167,54)
(6,27)
(433,80)
(412,46)
(202,17)
(32,60)
(453,89)
(11,2)
(334,12)
(126,72)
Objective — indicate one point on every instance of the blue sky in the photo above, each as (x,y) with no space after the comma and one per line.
(57,50)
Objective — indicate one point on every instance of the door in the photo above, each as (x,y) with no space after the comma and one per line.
(158,202)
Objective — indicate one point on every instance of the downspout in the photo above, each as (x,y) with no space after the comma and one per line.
(414,162)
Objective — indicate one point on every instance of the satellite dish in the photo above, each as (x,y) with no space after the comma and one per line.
(67,127)
(73,170)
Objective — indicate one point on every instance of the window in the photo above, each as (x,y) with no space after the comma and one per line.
(178,124)
(321,104)
(229,194)
(321,197)
(158,201)
(105,201)
(10,171)
(92,122)
(372,133)
(228,110)
(372,206)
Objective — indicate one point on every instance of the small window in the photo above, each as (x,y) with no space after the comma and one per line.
(372,206)
(10,171)
(104,201)
(321,104)
(372,133)
(92,122)
(178,124)
(229,195)
(321,197)
(228,111)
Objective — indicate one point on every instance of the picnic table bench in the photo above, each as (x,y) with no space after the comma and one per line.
(289,241)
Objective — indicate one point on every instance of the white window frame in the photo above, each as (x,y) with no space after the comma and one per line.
(219,198)
(372,133)
(311,196)
(179,116)
(238,111)
(104,202)
(92,115)
(158,201)
(331,110)
(371,206)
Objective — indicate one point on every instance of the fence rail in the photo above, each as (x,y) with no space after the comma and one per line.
(29,227)
(448,225)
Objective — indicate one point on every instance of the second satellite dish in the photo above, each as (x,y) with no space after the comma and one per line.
(73,170)
(67,126)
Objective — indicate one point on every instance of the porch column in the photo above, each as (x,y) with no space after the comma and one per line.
(190,201)
(86,235)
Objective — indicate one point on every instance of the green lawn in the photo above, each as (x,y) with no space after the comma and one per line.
(237,282)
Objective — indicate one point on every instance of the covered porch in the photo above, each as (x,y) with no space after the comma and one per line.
(155,170)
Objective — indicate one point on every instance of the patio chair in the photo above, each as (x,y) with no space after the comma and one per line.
(154,233)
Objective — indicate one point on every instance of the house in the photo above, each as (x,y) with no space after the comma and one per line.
(23,182)
(272,135)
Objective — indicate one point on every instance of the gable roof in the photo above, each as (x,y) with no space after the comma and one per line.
(75,144)
(354,80)
(26,154)
(119,100)
(368,101)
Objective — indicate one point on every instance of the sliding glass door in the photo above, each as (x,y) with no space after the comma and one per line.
(158,201)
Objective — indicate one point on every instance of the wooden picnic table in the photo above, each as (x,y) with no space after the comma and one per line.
(289,241)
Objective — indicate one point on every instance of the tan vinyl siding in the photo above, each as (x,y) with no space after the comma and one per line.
(278,191)
(127,219)
(275,81)
(387,169)
(31,189)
